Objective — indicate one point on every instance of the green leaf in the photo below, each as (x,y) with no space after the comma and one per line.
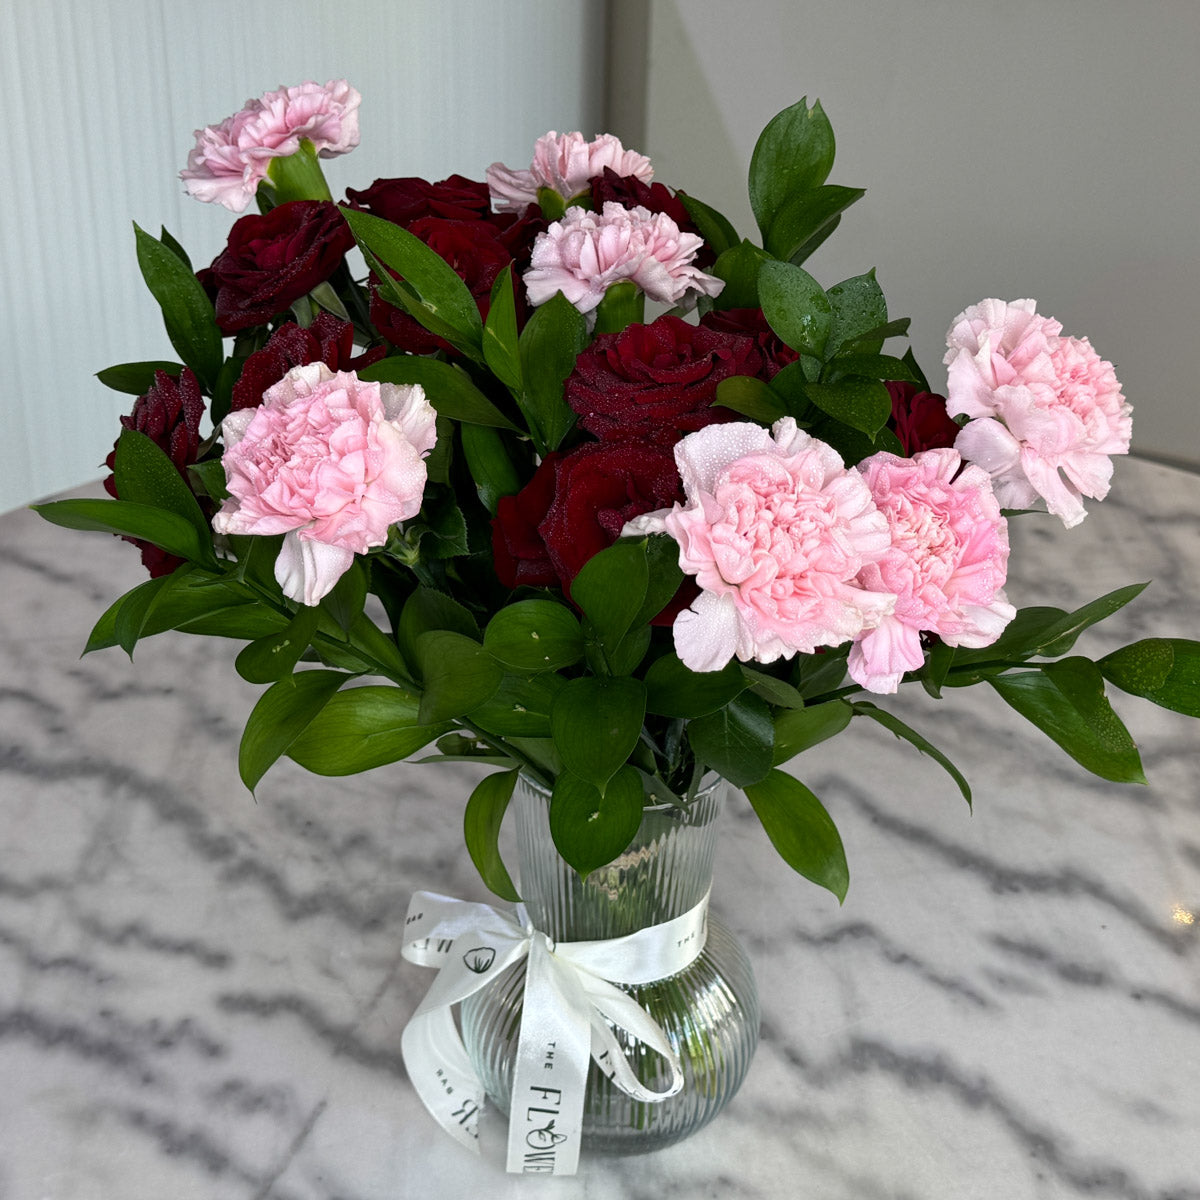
(136,378)
(873,366)
(534,635)
(673,690)
(804,215)
(194,604)
(794,154)
(589,827)
(272,657)
(738,267)
(1046,632)
(520,707)
(435,295)
(282,714)
(362,728)
(440,529)
(167,530)
(448,388)
(1059,639)
(552,338)
(795,306)
(209,476)
(872,341)
(751,397)
(797,729)
(1165,671)
(1066,701)
(898,727)
(596,722)
(344,603)
(426,609)
(737,741)
(458,673)
(937,666)
(440,458)
(136,606)
(145,475)
(611,590)
(772,690)
(501,351)
(481,829)
(664,575)
(187,311)
(910,361)
(863,404)
(859,310)
(801,830)
(174,246)
(819,673)
(714,228)
(491,467)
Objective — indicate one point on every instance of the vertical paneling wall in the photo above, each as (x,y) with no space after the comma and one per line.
(101,100)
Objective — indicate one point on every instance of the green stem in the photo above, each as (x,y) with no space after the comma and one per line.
(298,176)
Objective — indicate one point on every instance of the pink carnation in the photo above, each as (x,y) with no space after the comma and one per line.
(777,532)
(1048,411)
(230,160)
(585,253)
(566,164)
(946,565)
(332,462)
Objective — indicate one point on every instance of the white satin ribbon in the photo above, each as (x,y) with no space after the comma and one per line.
(568,1001)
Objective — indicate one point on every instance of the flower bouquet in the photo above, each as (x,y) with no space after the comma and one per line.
(469,501)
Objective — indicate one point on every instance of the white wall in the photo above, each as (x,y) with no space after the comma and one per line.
(1043,148)
(101,98)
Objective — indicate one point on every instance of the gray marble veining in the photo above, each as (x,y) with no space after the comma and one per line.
(201,994)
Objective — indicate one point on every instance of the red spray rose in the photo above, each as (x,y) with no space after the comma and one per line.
(919,419)
(518,550)
(403,201)
(575,505)
(169,414)
(326,340)
(750,322)
(657,382)
(272,260)
(597,488)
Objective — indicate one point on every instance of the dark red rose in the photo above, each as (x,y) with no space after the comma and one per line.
(477,252)
(326,340)
(169,415)
(272,260)
(630,192)
(403,201)
(750,322)
(919,419)
(518,550)
(656,382)
(597,488)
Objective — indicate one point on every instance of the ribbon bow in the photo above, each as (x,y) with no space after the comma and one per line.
(569,1000)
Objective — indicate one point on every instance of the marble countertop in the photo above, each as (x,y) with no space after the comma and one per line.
(201,995)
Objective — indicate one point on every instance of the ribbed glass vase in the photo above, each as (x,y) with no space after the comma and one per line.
(709,1010)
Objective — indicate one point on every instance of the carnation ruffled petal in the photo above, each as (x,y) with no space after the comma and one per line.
(230,159)
(330,460)
(585,253)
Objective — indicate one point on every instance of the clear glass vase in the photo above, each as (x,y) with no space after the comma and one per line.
(709,1010)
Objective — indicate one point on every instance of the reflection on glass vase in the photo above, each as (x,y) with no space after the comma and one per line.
(709,1010)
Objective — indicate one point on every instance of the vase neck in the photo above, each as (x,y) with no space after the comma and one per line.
(666,870)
